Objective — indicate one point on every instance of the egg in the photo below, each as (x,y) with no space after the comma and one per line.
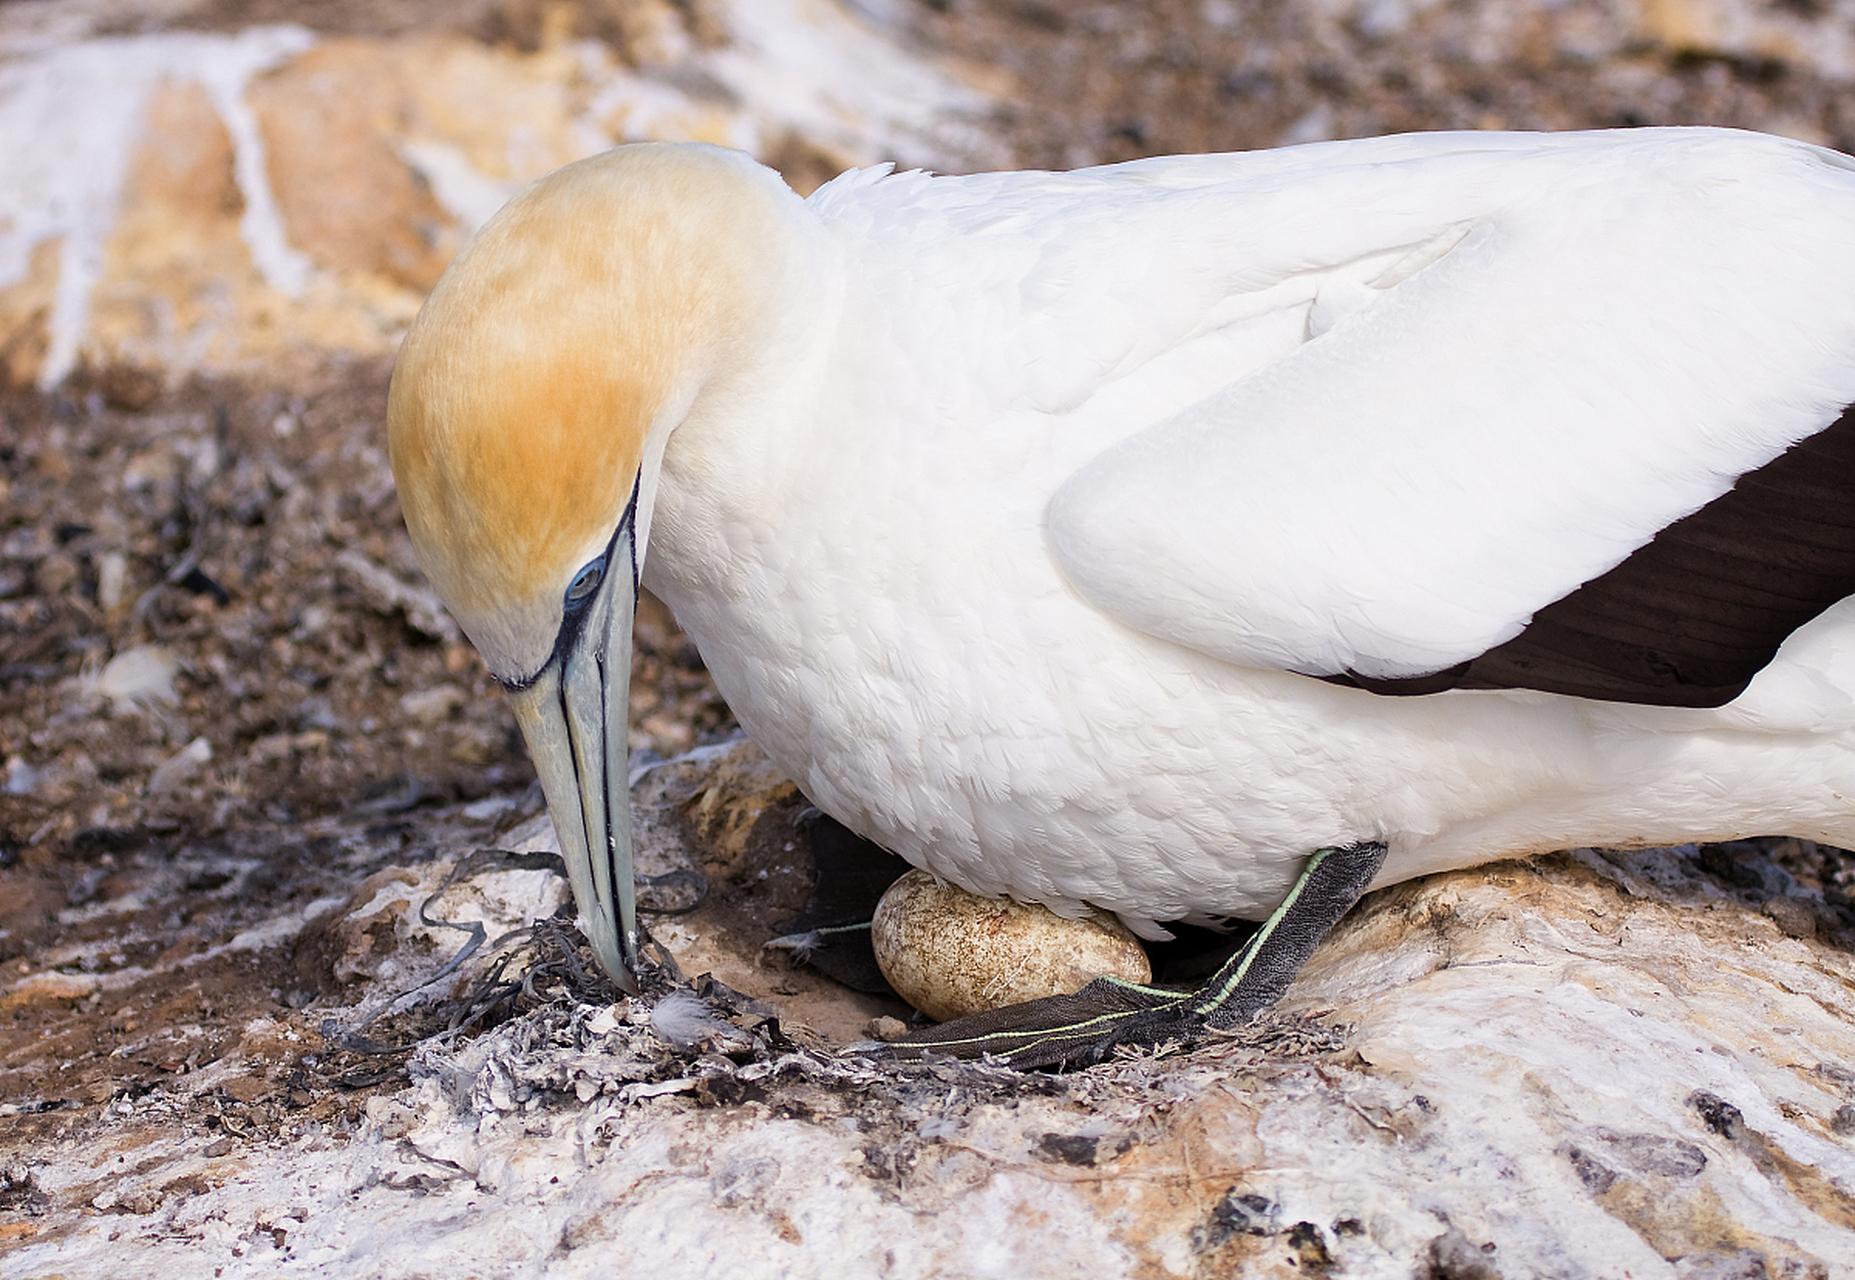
(950,953)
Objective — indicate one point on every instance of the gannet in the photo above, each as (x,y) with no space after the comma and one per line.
(1206,537)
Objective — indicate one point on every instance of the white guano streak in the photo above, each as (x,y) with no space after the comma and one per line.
(89,100)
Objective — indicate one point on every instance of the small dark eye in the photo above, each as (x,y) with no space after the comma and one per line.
(585,582)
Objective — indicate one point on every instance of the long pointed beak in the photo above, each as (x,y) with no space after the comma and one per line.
(574,716)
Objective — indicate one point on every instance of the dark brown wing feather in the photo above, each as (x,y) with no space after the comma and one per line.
(1692,616)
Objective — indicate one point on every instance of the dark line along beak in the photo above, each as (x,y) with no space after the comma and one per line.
(574,715)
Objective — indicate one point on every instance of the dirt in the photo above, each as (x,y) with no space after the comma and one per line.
(254,530)
(247,538)
(1096,83)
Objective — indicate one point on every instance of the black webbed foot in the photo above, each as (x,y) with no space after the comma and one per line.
(1085,1027)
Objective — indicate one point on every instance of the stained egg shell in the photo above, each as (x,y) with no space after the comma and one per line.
(950,953)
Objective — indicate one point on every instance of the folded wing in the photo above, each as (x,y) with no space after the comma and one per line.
(1561,380)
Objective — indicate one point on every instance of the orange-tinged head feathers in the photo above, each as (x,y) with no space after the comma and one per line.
(582,318)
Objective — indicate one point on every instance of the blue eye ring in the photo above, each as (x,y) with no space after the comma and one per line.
(585,582)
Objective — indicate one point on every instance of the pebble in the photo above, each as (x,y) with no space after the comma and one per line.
(888,1030)
(1795,917)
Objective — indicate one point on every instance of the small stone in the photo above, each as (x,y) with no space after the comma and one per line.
(951,953)
(245,1089)
(886,1029)
(218,1147)
(18,778)
(1070,1148)
(181,767)
(112,580)
(1455,1256)
(1237,1213)
(434,705)
(1795,917)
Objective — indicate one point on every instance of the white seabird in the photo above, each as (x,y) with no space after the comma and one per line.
(1123,537)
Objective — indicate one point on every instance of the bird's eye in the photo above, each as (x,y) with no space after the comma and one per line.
(585,582)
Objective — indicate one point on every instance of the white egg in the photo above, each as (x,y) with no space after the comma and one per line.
(950,953)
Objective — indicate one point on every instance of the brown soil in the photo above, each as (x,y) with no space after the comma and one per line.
(347,724)
(1102,82)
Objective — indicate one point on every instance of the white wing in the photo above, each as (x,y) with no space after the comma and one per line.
(1517,359)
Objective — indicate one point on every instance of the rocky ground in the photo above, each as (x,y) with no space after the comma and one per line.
(243,753)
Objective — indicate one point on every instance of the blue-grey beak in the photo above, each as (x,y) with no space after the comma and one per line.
(574,715)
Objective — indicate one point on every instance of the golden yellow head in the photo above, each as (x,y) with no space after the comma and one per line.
(580,320)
